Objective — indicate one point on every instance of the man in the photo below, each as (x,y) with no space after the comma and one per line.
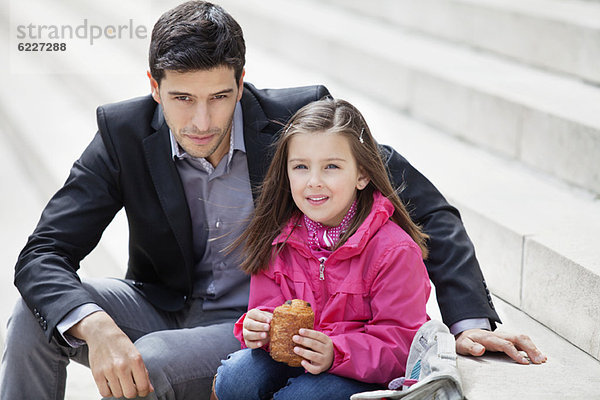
(186,163)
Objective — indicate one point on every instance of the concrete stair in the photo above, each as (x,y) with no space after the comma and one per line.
(555,35)
(479,125)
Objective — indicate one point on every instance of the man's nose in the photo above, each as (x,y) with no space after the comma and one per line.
(201,118)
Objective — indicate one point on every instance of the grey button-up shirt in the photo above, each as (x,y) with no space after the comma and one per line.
(220,205)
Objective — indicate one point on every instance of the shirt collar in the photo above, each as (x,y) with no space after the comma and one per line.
(236,140)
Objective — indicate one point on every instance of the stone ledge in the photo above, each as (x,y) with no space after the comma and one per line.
(569,372)
(557,35)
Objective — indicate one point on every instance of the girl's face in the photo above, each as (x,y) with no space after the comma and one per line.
(323,176)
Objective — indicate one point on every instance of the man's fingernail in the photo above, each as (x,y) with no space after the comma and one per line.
(540,359)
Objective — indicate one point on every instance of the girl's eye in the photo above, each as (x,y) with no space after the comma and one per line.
(300,166)
(331,166)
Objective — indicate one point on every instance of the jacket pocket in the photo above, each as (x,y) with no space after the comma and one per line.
(351,302)
(292,289)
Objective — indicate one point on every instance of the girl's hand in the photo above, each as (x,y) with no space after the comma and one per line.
(256,328)
(318,351)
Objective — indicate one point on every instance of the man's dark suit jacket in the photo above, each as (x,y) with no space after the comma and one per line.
(129,164)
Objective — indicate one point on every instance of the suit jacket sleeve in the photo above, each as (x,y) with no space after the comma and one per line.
(452,266)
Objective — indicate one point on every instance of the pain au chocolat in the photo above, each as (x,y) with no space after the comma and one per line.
(287,320)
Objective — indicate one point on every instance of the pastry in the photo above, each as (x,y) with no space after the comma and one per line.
(287,320)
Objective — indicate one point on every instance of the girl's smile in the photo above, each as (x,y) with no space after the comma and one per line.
(317,200)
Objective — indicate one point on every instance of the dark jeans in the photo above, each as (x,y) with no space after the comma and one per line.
(253,374)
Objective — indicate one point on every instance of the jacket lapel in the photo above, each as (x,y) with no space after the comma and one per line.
(157,149)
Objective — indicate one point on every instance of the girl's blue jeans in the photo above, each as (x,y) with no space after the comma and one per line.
(252,374)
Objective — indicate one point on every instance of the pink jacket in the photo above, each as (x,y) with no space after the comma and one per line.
(371,301)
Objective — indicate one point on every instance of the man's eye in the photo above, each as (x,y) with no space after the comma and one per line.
(183,98)
(219,96)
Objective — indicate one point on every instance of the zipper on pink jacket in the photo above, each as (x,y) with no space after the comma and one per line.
(322,268)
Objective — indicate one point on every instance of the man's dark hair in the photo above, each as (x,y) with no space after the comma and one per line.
(196,35)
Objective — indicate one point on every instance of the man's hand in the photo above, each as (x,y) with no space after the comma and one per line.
(255,329)
(475,342)
(116,365)
(317,351)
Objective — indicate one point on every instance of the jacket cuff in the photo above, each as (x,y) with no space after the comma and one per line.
(339,357)
(238,330)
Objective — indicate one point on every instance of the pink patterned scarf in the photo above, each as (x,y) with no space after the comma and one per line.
(326,237)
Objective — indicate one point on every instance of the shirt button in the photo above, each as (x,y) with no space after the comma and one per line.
(218,224)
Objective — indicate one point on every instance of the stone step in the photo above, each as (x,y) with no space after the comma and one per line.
(546,121)
(557,35)
(569,373)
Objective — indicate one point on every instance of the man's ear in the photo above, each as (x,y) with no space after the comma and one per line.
(154,88)
(241,85)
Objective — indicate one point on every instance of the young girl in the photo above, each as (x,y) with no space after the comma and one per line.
(329,229)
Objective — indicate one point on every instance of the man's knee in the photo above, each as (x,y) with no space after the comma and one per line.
(32,367)
(176,368)
(170,377)
(156,360)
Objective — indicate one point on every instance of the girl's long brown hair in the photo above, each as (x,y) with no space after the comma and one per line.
(275,205)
